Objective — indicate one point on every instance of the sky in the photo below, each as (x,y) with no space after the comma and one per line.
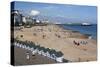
(75,13)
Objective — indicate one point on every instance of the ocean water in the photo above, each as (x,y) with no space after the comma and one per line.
(91,30)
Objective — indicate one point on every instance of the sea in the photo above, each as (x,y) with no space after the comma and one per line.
(89,30)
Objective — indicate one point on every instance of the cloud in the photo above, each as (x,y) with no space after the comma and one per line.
(34,13)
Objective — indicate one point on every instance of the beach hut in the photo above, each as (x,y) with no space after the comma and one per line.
(33,46)
(59,56)
(39,50)
(31,49)
(35,49)
(22,44)
(17,43)
(34,52)
(27,47)
(52,54)
(47,52)
(29,44)
(42,51)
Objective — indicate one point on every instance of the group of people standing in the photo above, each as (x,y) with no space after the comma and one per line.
(80,43)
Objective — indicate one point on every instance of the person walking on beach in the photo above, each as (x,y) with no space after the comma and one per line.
(27,56)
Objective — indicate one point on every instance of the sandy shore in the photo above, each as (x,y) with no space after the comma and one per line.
(52,36)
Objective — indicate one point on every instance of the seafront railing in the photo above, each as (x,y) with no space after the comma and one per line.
(37,49)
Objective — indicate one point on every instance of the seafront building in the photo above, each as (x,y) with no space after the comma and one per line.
(16,16)
(19,19)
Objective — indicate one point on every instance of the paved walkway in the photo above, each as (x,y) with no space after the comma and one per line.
(20,58)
